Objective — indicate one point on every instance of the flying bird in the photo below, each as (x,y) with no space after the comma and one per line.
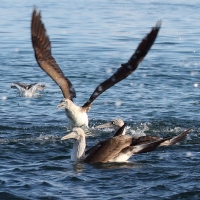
(77,115)
(115,149)
(28,90)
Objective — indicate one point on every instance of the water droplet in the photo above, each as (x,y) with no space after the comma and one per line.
(4,97)
(196,85)
(118,103)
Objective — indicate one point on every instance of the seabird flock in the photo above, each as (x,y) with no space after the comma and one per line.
(121,146)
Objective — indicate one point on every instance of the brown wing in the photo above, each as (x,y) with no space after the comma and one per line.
(127,68)
(94,148)
(143,147)
(109,149)
(176,139)
(42,47)
(144,139)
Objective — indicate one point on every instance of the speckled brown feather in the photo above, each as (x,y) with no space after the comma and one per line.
(118,132)
(108,149)
(42,47)
(144,147)
(127,68)
(145,139)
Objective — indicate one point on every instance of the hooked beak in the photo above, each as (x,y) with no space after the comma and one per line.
(71,135)
(106,125)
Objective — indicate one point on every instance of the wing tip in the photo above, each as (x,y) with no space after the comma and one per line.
(158,24)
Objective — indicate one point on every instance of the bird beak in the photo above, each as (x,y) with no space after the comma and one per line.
(106,125)
(42,88)
(60,105)
(71,135)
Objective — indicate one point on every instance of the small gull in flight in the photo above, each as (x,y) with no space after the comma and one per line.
(26,90)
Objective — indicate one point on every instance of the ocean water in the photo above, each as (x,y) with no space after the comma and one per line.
(90,39)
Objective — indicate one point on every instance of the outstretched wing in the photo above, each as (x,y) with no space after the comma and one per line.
(17,85)
(127,68)
(176,139)
(42,47)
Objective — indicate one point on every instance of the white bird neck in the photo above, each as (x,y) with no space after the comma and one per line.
(78,151)
(76,115)
(124,132)
(117,128)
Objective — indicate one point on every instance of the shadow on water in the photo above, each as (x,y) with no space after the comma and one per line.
(124,165)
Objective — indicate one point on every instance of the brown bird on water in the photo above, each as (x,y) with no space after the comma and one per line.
(115,149)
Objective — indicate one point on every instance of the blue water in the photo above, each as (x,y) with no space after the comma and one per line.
(90,39)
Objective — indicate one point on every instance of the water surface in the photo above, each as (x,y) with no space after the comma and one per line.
(90,39)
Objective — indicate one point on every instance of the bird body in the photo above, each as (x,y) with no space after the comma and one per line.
(119,127)
(42,48)
(77,116)
(115,149)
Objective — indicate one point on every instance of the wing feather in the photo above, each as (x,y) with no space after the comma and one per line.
(42,47)
(127,68)
(108,149)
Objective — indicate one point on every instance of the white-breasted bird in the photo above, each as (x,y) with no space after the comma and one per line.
(77,115)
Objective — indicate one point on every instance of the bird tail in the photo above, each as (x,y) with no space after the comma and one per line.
(176,139)
(146,147)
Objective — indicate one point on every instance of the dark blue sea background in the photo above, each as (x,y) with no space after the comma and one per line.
(90,39)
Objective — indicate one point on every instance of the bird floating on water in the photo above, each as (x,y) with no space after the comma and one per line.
(119,126)
(28,90)
(77,115)
(115,149)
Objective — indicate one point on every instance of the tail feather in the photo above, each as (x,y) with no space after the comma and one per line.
(144,147)
(176,139)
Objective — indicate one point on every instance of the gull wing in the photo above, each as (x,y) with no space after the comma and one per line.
(42,47)
(127,68)
(16,85)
